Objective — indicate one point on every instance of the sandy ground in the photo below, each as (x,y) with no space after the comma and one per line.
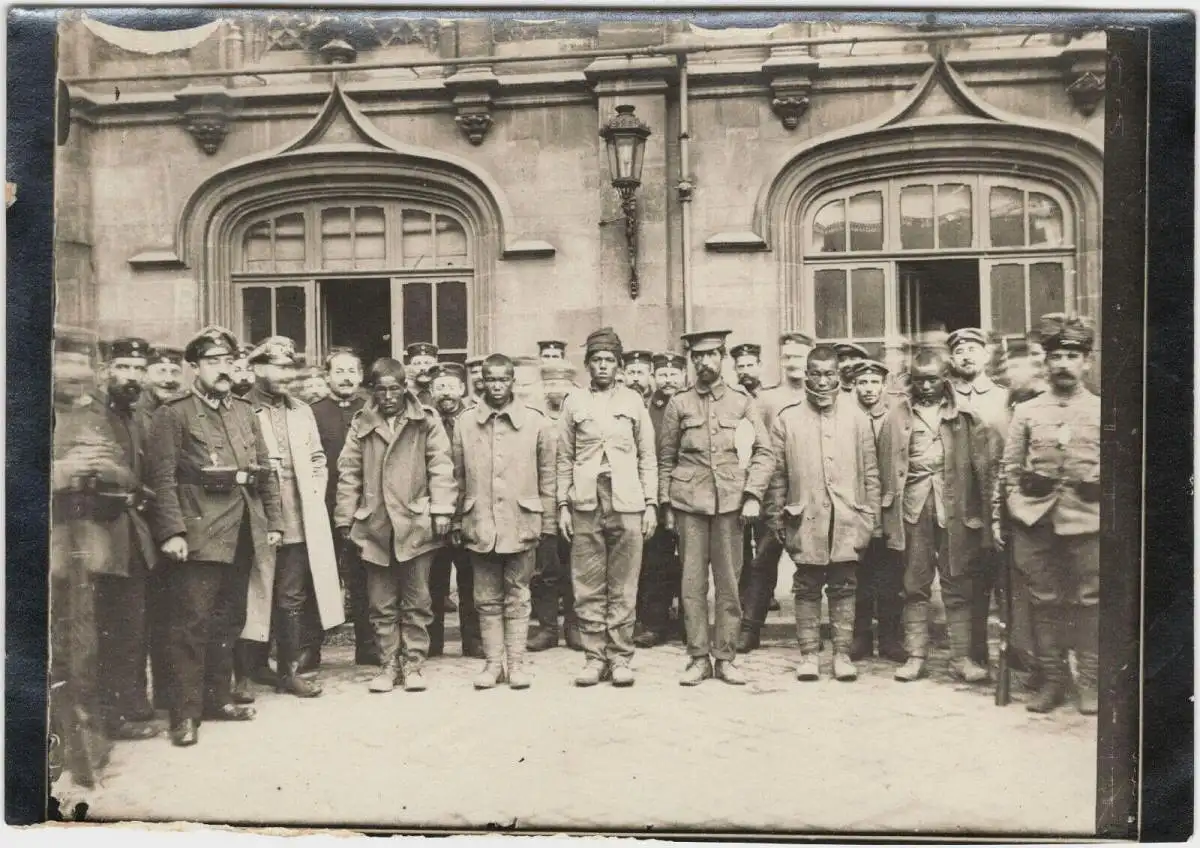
(869,756)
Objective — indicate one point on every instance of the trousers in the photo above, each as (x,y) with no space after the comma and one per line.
(927,553)
(208,612)
(759,581)
(1060,571)
(880,594)
(439,590)
(502,583)
(711,544)
(606,558)
(121,627)
(659,582)
(551,583)
(400,608)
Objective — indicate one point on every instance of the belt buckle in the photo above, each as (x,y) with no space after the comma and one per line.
(243,478)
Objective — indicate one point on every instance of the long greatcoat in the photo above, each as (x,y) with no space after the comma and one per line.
(131,532)
(972,451)
(390,484)
(311,473)
(826,474)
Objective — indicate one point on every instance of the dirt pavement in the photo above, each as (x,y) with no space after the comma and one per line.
(874,755)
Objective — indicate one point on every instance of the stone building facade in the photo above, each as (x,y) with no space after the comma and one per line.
(867,189)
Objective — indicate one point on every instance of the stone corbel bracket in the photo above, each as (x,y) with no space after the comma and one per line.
(1084,67)
(206,113)
(473,88)
(790,76)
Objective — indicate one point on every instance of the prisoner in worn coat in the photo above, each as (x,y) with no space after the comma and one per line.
(826,472)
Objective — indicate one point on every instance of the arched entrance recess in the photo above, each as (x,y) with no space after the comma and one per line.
(941,129)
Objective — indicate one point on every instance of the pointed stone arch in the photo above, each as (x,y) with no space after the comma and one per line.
(343,154)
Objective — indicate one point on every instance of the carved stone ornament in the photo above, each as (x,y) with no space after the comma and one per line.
(790,109)
(474,125)
(1086,92)
(207,114)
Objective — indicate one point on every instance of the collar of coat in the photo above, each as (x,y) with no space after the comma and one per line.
(717,389)
(212,402)
(516,413)
(981,385)
(877,409)
(949,408)
(369,418)
(262,400)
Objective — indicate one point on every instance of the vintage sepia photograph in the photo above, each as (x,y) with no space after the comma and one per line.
(578,422)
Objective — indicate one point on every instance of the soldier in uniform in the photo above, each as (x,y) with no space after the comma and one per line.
(823,505)
(449,390)
(552,351)
(551,584)
(121,595)
(164,382)
(849,355)
(607,504)
(89,485)
(975,390)
(662,572)
(1051,481)
(419,361)
(504,465)
(243,374)
(758,587)
(708,498)
(747,364)
(395,499)
(216,512)
(878,599)
(344,370)
(305,566)
(937,459)
(474,367)
(638,365)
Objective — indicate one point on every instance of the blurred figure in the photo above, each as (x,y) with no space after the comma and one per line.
(243,374)
(309,386)
(475,378)
(419,360)
(527,387)
(449,399)
(552,351)
(747,363)
(848,357)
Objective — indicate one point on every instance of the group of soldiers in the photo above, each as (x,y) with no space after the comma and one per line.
(202,525)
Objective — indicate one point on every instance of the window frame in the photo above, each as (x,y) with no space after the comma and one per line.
(890,305)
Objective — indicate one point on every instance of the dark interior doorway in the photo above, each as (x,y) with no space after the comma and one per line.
(938,294)
(358,315)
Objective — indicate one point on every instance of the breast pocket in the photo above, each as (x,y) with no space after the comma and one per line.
(691,435)
(726,434)
(622,431)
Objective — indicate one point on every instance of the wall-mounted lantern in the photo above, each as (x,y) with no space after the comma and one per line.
(625,137)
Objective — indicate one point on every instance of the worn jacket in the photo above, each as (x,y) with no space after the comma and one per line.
(192,433)
(390,484)
(586,433)
(131,536)
(699,470)
(826,475)
(1056,438)
(333,423)
(504,465)
(79,541)
(971,452)
(986,399)
(310,472)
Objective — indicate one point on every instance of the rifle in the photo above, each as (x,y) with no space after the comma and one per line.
(1004,581)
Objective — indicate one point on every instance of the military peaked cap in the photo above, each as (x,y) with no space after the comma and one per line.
(745,349)
(211,341)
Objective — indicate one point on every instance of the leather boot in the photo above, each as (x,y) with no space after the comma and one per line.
(958,628)
(1046,627)
(841,620)
(437,635)
(863,643)
(916,640)
(890,627)
(1087,637)
(516,631)
(545,639)
(491,632)
(574,639)
(241,674)
(258,654)
(749,639)
(288,658)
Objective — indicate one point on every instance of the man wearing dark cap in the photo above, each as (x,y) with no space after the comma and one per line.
(707,499)
(757,589)
(243,374)
(1050,478)
(849,355)
(550,587)
(164,382)
(638,367)
(449,388)
(747,364)
(552,351)
(662,573)
(216,513)
(607,504)
(419,360)
(89,484)
(305,565)
(879,596)
(121,596)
